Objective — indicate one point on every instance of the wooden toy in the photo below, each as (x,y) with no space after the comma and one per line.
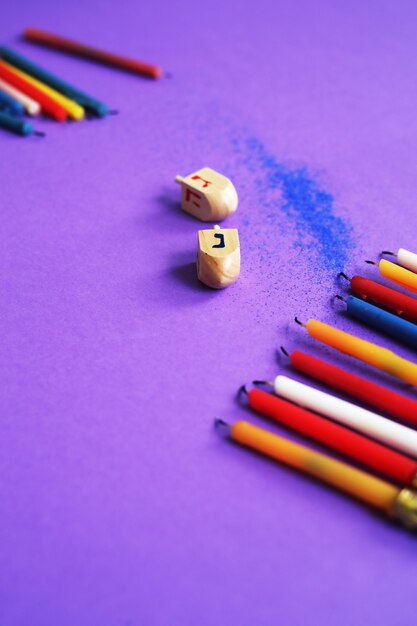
(207,195)
(218,257)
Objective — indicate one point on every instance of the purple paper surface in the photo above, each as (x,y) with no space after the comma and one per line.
(119,503)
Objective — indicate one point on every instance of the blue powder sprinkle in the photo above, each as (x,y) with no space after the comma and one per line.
(308,208)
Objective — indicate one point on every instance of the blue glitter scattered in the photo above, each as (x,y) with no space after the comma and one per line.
(308,208)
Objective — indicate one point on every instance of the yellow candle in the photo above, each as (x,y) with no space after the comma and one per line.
(357,483)
(73,109)
(398,274)
(374,355)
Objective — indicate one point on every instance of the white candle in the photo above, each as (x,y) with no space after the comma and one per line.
(32,107)
(374,425)
(407,259)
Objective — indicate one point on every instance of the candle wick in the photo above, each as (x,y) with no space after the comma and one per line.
(221,426)
(297,321)
(263,382)
(283,350)
(242,389)
(388,252)
(371,262)
(343,275)
(340,297)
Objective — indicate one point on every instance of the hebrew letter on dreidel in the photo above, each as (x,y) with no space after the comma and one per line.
(218,257)
(221,244)
(216,195)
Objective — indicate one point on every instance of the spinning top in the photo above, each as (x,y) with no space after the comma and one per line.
(218,257)
(207,195)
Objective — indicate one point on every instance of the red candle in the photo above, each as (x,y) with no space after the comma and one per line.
(88,52)
(402,305)
(48,105)
(371,393)
(374,455)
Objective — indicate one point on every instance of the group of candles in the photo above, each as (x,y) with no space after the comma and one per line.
(378,443)
(27,89)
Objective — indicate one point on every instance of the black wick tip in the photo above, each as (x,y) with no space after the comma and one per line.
(219,422)
(283,350)
(221,426)
(343,275)
(242,389)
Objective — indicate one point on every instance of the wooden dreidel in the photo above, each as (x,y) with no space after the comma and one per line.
(207,195)
(218,257)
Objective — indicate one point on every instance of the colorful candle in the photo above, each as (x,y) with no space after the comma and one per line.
(8,103)
(397,274)
(398,503)
(91,104)
(392,325)
(398,303)
(380,428)
(365,351)
(380,397)
(79,49)
(31,106)
(369,453)
(48,105)
(17,125)
(405,258)
(74,110)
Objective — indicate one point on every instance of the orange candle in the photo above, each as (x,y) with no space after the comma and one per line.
(365,351)
(399,503)
(358,483)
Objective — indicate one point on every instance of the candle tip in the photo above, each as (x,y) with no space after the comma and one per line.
(284,351)
(221,426)
(263,382)
(371,262)
(388,252)
(297,321)
(242,389)
(343,275)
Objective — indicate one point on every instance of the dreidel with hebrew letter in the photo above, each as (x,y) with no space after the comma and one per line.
(218,257)
(207,195)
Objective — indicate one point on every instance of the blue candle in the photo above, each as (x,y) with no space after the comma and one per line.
(18,126)
(8,103)
(95,106)
(396,327)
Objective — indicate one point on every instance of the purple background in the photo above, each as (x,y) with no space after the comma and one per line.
(119,504)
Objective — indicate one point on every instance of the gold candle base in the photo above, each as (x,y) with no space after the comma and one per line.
(405,508)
